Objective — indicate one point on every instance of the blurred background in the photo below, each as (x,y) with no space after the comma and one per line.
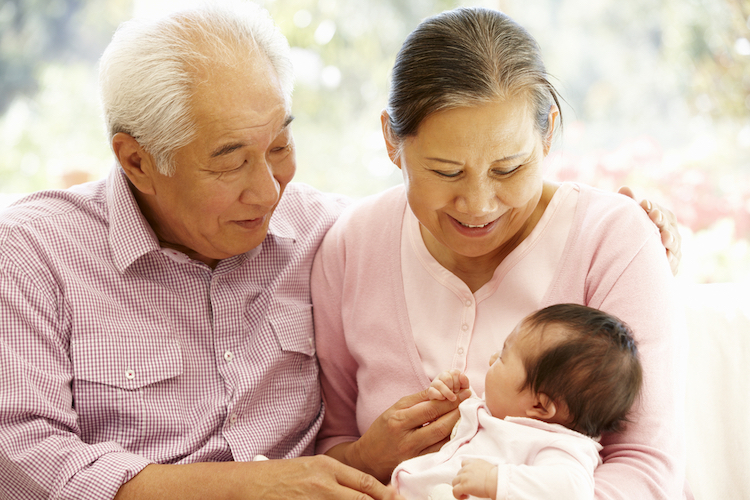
(657,97)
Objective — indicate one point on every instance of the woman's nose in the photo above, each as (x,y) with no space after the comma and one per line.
(477,198)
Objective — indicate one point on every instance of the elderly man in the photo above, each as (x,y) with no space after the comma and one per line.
(162,316)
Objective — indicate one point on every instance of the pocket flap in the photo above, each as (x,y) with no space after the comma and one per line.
(293,325)
(126,363)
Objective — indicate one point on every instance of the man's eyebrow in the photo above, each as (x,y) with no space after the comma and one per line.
(233,146)
(226,149)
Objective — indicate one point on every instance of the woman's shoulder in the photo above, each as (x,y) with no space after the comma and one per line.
(374,214)
(609,212)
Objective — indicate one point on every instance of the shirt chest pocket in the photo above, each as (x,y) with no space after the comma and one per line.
(126,389)
(292,324)
(284,348)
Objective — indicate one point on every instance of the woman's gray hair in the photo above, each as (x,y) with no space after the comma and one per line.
(149,71)
(466,57)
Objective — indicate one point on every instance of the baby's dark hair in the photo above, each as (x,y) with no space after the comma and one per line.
(594,369)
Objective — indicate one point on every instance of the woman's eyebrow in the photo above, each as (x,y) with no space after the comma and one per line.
(500,160)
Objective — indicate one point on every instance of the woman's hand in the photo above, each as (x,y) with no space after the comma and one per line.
(666,221)
(411,427)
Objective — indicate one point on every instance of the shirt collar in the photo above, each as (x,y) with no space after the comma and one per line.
(281,225)
(131,236)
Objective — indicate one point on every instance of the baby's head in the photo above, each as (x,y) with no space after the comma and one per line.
(567,364)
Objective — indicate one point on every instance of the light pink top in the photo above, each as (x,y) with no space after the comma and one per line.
(534,459)
(454,328)
(612,259)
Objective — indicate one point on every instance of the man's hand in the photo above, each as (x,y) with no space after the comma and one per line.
(666,221)
(447,385)
(319,477)
(477,477)
(411,427)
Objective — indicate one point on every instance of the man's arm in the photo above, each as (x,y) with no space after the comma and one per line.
(317,477)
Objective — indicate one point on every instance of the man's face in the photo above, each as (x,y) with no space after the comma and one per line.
(229,180)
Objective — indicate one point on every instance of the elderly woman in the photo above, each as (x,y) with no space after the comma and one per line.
(432,275)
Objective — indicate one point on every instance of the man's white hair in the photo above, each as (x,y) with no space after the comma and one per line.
(148,73)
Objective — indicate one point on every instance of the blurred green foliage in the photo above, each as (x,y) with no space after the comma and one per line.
(657,95)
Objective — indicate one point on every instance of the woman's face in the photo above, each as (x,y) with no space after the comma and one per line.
(473,177)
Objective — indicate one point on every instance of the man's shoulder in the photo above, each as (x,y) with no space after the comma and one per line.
(304,204)
(306,214)
(53,207)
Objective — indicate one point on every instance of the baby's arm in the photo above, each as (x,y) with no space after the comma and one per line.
(477,477)
(447,385)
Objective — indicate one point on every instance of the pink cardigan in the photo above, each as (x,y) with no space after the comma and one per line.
(613,260)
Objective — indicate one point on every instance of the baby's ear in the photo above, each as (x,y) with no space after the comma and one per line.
(544,408)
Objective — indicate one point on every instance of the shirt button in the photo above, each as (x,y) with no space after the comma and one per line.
(460,350)
(129,374)
(232,419)
(228,356)
(468,303)
(464,327)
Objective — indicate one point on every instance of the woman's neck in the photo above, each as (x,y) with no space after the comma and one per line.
(478,271)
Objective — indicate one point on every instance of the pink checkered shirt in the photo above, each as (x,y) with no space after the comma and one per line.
(116,353)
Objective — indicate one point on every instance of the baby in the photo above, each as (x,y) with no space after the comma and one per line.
(565,374)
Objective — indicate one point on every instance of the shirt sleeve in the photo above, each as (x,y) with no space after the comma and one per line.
(563,473)
(338,367)
(41,452)
(647,459)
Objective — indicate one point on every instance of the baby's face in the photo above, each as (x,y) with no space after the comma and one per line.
(506,376)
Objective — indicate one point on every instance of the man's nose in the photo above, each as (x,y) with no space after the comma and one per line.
(261,187)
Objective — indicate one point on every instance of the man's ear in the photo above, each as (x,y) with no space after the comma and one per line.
(390,142)
(544,408)
(138,165)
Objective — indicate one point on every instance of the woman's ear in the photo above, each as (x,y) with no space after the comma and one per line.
(138,165)
(390,142)
(552,117)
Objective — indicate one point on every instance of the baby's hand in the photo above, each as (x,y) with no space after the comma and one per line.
(447,385)
(477,477)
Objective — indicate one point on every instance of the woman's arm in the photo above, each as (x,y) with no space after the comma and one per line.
(626,274)
(647,459)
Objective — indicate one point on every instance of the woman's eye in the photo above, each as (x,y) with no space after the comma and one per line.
(447,174)
(507,172)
